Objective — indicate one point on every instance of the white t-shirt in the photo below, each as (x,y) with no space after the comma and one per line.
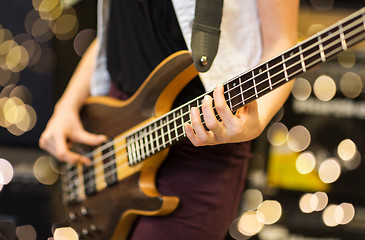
(240,45)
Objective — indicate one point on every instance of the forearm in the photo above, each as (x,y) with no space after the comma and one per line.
(279,32)
(78,89)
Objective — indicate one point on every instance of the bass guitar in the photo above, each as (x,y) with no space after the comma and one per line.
(104,199)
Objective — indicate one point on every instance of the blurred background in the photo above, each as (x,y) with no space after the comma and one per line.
(306,175)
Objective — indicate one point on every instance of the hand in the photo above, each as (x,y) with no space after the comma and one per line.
(64,126)
(243,126)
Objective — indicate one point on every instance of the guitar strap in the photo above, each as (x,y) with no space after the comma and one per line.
(206,32)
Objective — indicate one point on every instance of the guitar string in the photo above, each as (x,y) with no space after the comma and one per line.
(90,154)
(263,81)
(91,184)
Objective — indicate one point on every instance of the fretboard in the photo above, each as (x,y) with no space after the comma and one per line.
(253,84)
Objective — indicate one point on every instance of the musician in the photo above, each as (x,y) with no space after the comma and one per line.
(207,170)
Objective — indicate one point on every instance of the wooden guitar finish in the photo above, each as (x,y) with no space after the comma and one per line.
(104,199)
(110,214)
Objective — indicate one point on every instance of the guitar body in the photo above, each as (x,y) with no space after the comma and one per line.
(104,199)
(109,212)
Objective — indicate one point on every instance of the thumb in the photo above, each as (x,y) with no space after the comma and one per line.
(88,138)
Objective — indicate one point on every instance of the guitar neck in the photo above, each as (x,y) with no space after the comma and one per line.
(251,85)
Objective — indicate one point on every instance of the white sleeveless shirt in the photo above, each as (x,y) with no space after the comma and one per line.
(240,45)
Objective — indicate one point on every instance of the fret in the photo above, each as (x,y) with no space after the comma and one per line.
(261,79)
(254,83)
(137,147)
(321,51)
(134,149)
(248,87)
(342,37)
(155,130)
(162,124)
(310,52)
(284,67)
(146,141)
(229,98)
(302,59)
(175,126)
(129,150)
(293,62)
(241,90)
(182,121)
(150,134)
(234,88)
(142,144)
(268,75)
(168,130)
(276,70)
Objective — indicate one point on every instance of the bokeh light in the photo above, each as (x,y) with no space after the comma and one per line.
(318,201)
(6,171)
(65,233)
(269,212)
(324,88)
(43,171)
(305,203)
(351,85)
(329,170)
(26,232)
(302,89)
(347,58)
(277,134)
(347,211)
(83,40)
(346,150)
(305,162)
(252,198)
(249,224)
(299,138)
(329,216)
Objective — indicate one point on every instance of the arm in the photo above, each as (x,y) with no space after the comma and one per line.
(278,26)
(65,124)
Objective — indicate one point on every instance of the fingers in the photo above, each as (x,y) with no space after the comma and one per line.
(56,144)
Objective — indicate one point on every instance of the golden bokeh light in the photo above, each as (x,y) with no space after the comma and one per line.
(329,170)
(346,211)
(351,85)
(277,134)
(324,88)
(302,89)
(347,58)
(41,30)
(318,201)
(43,171)
(252,198)
(66,26)
(6,171)
(305,162)
(249,224)
(329,217)
(299,138)
(305,203)
(50,9)
(269,212)
(65,233)
(346,150)
(315,28)
(17,59)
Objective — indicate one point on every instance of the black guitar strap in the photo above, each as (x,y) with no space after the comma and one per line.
(206,32)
